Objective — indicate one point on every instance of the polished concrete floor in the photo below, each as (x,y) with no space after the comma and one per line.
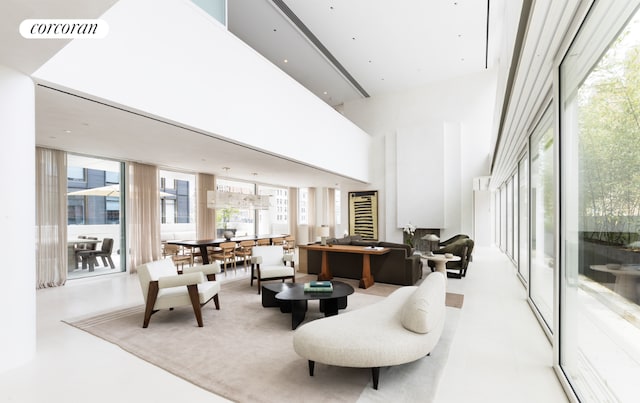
(500,353)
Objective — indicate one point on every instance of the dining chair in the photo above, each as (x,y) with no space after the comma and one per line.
(104,253)
(78,247)
(175,252)
(289,244)
(244,251)
(85,254)
(193,252)
(263,242)
(226,254)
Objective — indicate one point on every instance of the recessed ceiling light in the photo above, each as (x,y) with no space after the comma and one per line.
(353,38)
(286,61)
(330,7)
(226,169)
(67,131)
(325,93)
(275,30)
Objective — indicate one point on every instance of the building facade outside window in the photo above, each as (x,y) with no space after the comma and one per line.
(94,212)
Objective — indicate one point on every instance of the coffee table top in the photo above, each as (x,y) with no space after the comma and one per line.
(295,291)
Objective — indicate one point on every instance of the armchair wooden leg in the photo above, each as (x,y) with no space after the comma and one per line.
(375,374)
(216,301)
(195,302)
(152,294)
(258,277)
(311,367)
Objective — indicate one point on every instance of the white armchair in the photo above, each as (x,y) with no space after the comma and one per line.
(270,263)
(163,288)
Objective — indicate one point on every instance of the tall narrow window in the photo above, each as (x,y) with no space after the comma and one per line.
(94,205)
(542,221)
(523,214)
(238,219)
(600,206)
(275,220)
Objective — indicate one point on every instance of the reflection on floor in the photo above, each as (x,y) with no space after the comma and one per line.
(606,362)
(499,354)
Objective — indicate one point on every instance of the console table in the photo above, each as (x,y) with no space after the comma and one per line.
(366,251)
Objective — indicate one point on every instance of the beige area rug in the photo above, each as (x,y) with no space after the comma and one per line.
(245,353)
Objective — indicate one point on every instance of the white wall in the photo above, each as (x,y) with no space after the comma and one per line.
(168,58)
(460,110)
(17,220)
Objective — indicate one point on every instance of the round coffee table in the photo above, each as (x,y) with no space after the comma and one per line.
(440,261)
(291,297)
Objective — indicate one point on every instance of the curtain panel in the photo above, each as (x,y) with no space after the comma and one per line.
(144,214)
(311,214)
(205,217)
(51,218)
(331,211)
(293,212)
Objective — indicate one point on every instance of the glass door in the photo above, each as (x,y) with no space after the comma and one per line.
(542,270)
(94,215)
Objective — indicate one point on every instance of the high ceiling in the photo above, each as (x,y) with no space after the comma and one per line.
(339,50)
(344,50)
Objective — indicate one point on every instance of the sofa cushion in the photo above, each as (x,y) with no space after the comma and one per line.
(364,243)
(422,312)
(394,245)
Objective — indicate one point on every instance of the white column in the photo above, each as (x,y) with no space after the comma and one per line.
(17,218)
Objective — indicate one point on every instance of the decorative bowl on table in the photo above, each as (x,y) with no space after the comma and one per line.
(448,255)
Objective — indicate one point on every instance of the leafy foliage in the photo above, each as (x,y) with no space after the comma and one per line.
(609,145)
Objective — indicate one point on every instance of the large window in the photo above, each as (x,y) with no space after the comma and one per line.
(303,206)
(275,220)
(542,218)
(94,214)
(523,222)
(600,209)
(240,221)
(177,200)
(509,217)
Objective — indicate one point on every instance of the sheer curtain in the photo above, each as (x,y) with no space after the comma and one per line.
(330,204)
(311,214)
(51,218)
(292,212)
(205,217)
(144,214)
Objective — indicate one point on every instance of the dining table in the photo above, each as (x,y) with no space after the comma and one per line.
(77,243)
(202,244)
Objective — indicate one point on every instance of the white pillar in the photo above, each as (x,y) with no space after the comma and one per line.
(17,218)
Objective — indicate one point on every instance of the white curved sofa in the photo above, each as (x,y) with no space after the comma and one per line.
(402,328)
